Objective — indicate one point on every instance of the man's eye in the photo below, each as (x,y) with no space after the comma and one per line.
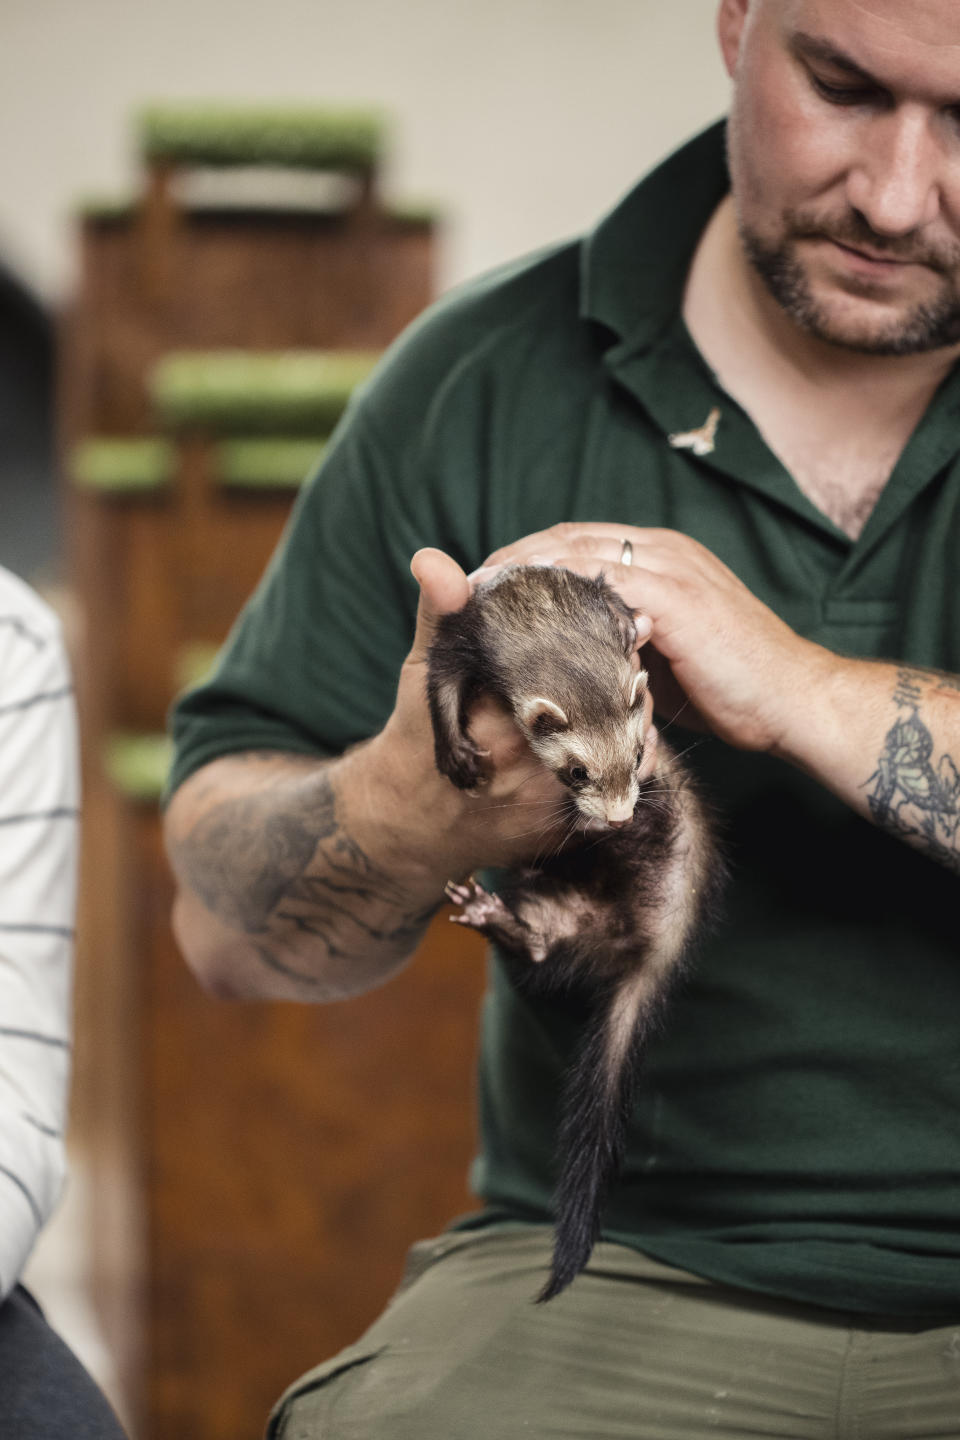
(840,94)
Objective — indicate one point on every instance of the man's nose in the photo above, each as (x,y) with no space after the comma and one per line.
(896,183)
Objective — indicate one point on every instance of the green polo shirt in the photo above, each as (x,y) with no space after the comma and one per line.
(798,1131)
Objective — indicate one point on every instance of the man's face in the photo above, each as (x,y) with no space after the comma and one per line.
(844,147)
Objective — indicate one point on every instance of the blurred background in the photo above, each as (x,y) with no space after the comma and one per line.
(213,216)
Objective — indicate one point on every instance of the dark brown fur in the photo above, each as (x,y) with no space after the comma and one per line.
(618,913)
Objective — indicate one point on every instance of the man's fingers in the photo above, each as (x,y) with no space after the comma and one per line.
(644,627)
(443,587)
(547,546)
(599,545)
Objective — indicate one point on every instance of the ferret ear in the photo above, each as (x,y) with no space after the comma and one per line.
(542,716)
(638,689)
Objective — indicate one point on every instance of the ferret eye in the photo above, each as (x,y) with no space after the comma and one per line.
(578,775)
(639,758)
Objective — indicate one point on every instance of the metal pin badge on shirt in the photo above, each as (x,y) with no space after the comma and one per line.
(702,441)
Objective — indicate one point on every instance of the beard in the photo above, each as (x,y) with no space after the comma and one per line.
(920,327)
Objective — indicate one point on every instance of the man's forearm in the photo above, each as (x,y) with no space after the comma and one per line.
(312,880)
(888,743)
(280,894)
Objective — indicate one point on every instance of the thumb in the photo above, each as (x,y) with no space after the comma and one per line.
(443,587)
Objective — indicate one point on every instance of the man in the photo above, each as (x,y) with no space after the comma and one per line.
(736,398)
(45,1394)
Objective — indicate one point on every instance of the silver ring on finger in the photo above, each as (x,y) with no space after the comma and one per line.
(626,553)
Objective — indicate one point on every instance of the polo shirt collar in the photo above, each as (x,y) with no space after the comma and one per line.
(634,267)
(634,264)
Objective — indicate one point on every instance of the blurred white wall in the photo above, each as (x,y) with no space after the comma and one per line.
(525,119)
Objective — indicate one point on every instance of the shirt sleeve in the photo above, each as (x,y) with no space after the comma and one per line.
(39,809)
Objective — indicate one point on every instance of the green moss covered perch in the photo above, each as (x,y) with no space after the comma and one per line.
(301,137)
(239,392)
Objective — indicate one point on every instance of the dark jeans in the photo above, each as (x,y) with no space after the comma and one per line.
(45,1393)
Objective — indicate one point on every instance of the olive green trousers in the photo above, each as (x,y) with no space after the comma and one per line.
(632,1349)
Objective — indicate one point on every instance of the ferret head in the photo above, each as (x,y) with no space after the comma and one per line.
(600,757)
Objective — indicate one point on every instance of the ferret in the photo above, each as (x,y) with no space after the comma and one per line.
(618,909)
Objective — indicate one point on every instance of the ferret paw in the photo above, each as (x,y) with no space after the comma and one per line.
(464,764)
(478,908)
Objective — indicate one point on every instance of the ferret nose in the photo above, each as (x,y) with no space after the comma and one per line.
(618,810)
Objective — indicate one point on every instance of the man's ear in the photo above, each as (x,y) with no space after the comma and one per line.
(731,19)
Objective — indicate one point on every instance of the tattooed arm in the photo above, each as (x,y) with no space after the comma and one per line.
(904,722)
(314,879)
(277,894)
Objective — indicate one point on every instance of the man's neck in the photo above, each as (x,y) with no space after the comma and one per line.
(724,289)
(838,419)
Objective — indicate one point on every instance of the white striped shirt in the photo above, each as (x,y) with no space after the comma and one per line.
(39,812)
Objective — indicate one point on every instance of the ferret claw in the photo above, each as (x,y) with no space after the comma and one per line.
(477,906)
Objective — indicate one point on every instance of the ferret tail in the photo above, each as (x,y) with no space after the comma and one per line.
(595,1111)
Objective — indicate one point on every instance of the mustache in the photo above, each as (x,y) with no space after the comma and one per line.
(855,231)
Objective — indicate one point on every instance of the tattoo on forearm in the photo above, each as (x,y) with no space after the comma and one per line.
(909,684)
(249,865)
(913,794)
(909,690)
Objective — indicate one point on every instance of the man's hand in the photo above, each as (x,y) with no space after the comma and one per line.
(732,665)
(521,807)
(885,738)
